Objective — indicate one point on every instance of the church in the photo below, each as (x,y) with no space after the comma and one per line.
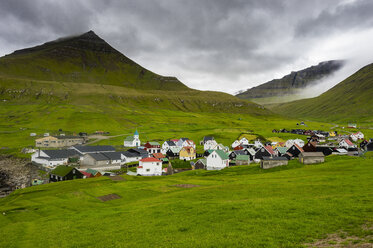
(132,141)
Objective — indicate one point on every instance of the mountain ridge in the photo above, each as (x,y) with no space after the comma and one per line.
(349,100)
(294,82)
(83,58)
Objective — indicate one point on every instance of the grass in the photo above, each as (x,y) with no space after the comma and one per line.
(236,207)
(120,110)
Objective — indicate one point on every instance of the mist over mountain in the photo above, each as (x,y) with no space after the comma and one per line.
(294,83)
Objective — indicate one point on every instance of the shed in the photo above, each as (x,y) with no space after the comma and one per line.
(311,157)
(270,162)
(242,159)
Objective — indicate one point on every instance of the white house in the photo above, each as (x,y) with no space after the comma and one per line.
(346,143)
(299,142)
(209,144)
(356,136)
(133,155)
(52,158)
(132,141)
(258,144)
(289,143)
(167,145)
(244,141)
(217,160)
(188,142)
(221,147)
(149,167)
(180,142)
(236,143)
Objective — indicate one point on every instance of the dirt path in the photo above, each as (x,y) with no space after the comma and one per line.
(98,137)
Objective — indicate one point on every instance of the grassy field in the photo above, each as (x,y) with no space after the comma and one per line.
(47,106)
(236,207)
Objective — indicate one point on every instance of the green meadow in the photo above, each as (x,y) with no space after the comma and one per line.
(241,206)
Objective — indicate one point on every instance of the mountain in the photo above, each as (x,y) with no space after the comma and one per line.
(85,58)
(82,84)
(292,84)
(350,100)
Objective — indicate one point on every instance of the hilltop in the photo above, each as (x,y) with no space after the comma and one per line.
(84,58)
(350,100)
(81,83)
(288,87)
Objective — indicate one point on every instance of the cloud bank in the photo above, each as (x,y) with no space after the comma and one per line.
(208,44)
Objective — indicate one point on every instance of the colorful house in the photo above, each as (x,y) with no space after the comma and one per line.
(187,153)
(152,147)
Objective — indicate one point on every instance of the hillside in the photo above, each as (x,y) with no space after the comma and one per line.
(85,58)
(292,84)
(281,207)
(350,100)
(81,84)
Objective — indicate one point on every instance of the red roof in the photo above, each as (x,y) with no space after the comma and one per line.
(150,159)
(238,148)
(349,142)
(86,174)
(269,149)
(175,140)
(158,155)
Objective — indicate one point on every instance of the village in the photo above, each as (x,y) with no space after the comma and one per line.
(68,157)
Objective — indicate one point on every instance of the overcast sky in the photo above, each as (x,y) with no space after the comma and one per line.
(224,45)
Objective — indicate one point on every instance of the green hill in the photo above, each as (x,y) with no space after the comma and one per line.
(241,206)
(291,86)
(350,100)
(82,84)
(85,58)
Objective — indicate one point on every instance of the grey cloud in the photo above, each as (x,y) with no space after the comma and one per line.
(355,15)
(210,44)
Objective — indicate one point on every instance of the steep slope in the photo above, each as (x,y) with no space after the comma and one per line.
(85,58)
(350,100)
(83,84)
(293,83)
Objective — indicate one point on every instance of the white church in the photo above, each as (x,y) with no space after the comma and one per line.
(132,141)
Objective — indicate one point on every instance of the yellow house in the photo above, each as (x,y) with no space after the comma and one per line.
(331,134)
(187,153)
(278,144)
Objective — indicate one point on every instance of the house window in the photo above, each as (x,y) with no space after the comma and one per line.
(147,170)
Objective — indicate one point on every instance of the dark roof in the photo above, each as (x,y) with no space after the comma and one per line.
(102,156)
(129,154)
(171,143)
(112,155)
(206,138)
(274,158)
(239,152)
(85,149)
(98,156)
(65,153)
(62,170)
